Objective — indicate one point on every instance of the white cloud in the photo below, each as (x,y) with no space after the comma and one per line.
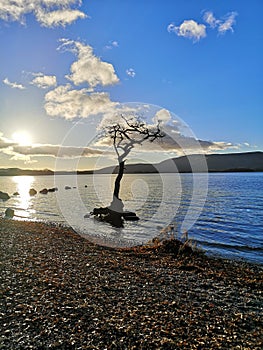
(48,13)
(131,72)
(193,30)
(210,19)
(56,151)
(112,44)
(44,81)
(228,23)
(188,29)
(13,85)
(4,142)
(222,25)
(59,17)
(162,116)
(25,153)
(88,68)
(174,141)
(69,103)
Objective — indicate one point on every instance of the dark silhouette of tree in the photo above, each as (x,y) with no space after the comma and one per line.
(125,135)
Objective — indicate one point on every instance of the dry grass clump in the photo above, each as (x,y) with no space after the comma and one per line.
(168,242)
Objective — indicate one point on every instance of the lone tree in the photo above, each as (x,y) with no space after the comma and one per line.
(125,134)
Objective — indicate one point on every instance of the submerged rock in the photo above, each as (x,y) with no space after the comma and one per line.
(67,188)
(53,189)
(4,196)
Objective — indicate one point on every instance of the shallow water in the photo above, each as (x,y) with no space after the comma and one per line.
(226,220)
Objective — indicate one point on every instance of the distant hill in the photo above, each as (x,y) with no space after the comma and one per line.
(227,162)
(130,169)
(23,172)
(19,172)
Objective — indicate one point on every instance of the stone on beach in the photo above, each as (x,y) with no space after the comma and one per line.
(60,291)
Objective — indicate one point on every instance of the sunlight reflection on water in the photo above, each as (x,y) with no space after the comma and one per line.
(24,200)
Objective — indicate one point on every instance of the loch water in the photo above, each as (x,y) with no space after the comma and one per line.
(221,212)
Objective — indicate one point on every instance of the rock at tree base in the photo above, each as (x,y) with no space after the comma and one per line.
(130,216)
(113,217)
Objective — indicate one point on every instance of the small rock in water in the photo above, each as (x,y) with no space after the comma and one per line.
(44,191)
(9,213)
(15,194)
(53,189)
(67,188)
(4,196)
(32,192)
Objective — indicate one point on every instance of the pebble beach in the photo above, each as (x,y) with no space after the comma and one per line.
(60,291)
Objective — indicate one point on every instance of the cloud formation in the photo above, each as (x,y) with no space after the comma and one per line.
(88,68)
(189,29)
(44,81)
(210,19)
(228,23)
(112,44)
(66,102)
(222,25)
(13,85)
(192,30)
(56,151)
(131,72)
(59,17)
(162,116)
(48,13)
(177,137)
(177,142)
(4,142)
(25,152)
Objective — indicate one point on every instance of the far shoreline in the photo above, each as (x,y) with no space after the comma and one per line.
(91,172)
(195,163)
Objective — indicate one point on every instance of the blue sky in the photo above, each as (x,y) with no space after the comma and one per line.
(64,61)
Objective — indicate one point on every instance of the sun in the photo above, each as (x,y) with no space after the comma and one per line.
(23,138)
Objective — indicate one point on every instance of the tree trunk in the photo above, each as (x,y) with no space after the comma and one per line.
(118,180)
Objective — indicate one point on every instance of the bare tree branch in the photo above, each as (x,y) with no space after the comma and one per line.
(130,132)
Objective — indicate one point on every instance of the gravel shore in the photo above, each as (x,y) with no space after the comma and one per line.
(59,291)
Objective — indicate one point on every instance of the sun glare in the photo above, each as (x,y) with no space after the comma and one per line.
(23,138)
